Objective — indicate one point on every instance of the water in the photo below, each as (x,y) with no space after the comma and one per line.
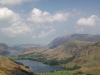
(36,66)
(39,67)
(14,53)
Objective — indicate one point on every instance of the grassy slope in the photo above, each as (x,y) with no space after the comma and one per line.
(89,59)
(62,73)
(68,50)
(45,50)
(7,67)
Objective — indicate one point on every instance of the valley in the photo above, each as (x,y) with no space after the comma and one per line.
(75,55)
(49,37)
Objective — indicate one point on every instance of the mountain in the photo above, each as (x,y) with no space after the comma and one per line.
(89,59)
(25,46)
(68,49)
(7,67)
(66,46)
(4,49)
(61,52)
(81,37)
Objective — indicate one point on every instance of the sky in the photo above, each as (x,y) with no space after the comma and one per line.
(41,21)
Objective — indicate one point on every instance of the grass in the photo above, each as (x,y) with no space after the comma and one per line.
(63,73)
(3,69)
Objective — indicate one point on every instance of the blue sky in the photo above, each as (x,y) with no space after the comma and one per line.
(41,21)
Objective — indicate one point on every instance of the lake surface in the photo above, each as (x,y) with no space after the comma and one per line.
(39,67)
(14,53)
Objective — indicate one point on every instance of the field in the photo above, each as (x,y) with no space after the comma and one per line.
(63,73)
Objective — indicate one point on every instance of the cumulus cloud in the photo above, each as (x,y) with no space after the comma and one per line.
(47,27)
(13,2)
(44,34)
(17,28)
(88,21)
(7,15)
(38,16)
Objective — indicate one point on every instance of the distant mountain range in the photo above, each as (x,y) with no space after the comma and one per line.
(80,37)
(25,46)
(4,49)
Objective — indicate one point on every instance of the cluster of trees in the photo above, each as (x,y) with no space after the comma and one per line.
(51,62)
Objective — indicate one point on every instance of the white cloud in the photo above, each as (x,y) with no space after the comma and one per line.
(13,2)
(37,16)
(7,15)
(88,21)
(44,34)
(17,28)
(47,27)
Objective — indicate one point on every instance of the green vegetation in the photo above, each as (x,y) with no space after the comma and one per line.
(67,60)
(63,73)
(3,69)
(40,57)
(32,56)
(51,62)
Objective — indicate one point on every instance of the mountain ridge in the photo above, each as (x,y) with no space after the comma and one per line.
(81,37)
(5,49)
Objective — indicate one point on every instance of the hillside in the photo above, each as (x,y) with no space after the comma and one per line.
(59,45)
(89,59)
(4,49)
(81,37)
(61,52)
(7,67)
(68,49)
(45,50)
(90,56)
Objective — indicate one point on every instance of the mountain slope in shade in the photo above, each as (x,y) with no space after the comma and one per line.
(68,49)
(81,37)
(4,49)
(7,67)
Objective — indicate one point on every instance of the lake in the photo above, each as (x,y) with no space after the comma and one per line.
(13,53)
(39,67)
